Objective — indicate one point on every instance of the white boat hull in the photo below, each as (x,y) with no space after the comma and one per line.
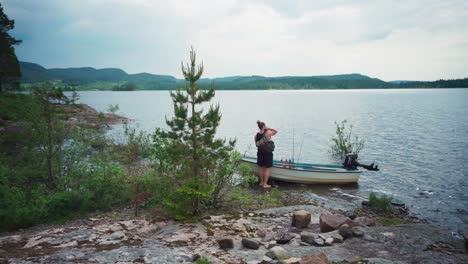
(309,175)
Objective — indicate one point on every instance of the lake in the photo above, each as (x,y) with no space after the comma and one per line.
(418,137)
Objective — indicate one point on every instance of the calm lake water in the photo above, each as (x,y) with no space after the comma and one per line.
(419,138)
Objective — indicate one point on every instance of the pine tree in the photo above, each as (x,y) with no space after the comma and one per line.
(196,155)
(9,65)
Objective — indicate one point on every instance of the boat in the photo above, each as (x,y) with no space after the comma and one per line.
(308,173)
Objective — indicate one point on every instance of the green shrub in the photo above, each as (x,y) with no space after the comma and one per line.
(202,261)
(344,141)
(383,203)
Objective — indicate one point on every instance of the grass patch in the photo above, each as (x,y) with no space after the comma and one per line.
(202,261)
(383,203)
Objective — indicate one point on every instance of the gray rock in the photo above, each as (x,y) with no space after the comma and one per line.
(277,253)
(10,239)
(225,243)
(350,214)
(184,259)
(319,242)
(330,222)
(250,243)
(283,236)
(465,236)
(378,261)
(329,241)
(364,221)
(308,237)
(271,244)
(301,219)
(266,259)
(358,231)
(337,238)
(317,258)
(345,231)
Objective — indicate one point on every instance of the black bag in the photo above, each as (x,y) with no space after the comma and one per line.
(265,145)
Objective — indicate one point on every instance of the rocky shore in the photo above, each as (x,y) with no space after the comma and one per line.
(77,115)
(294,234)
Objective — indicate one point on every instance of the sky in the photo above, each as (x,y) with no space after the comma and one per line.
(390,40)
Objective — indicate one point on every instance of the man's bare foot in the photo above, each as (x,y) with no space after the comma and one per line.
(266,186)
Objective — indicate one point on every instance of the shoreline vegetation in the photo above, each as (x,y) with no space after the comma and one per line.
(114,79)
(69,193)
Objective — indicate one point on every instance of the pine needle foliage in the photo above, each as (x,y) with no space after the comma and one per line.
(188,152)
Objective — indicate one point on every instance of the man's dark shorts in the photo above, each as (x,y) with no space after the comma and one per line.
(265,159)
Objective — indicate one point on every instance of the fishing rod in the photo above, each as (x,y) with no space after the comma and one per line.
(300,150)
(293,146)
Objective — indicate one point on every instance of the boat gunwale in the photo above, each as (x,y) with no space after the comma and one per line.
(337,170)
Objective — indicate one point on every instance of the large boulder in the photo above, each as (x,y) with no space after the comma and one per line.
(364,221)
(250,243)
(277,253)
(330,222)
(301,219)
(318,258)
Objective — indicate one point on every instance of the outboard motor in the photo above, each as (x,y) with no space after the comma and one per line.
(350,162)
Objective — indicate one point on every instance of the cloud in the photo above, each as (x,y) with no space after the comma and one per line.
(385,39)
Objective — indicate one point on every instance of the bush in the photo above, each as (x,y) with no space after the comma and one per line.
(345,142)
(383,203)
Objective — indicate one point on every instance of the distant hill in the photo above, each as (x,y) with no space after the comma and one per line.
(88,78)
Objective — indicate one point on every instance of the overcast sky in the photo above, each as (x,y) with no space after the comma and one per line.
(390,40)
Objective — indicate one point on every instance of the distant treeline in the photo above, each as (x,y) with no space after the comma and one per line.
(118,80)
(454,83)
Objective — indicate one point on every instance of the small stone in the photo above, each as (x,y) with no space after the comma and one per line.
(345,231)
(329,241)
(196,257)
(251,214)
(378,261)
(261,232)
(266,259)
(301,219)
(319,242)
(117,235)
(337,238)
(308,237)
(250,243)
(358,231)
(304,244)
(317,258)
(364,221)
(225,243)
(350,214)
(283,236)
(277,253)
